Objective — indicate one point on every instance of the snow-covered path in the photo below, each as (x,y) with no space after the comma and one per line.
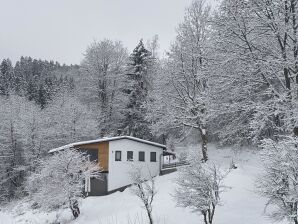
(239,203)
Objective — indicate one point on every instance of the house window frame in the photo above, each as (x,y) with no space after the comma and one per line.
(129,159)
(116,152)
(155,157)
(143,156)
(91,154)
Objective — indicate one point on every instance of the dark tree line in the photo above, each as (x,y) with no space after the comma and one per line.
(37,80)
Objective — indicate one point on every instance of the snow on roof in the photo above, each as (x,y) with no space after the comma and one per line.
(71,145)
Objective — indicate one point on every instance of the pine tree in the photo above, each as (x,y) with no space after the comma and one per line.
(37,80)
(6,74)
(137,86)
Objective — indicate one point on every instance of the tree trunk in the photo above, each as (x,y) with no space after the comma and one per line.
(211,213)
(204,144)
(149,215)
(295,220)
(205,217)
(74,206)
(150,218)
(294,209)
(295,41)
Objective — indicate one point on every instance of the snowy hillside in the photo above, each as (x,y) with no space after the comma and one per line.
(239,204)
(183,78)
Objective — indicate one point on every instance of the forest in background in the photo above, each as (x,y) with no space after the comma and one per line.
(231,76)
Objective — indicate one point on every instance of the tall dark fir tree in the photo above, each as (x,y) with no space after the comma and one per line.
(136,88)
(6,76)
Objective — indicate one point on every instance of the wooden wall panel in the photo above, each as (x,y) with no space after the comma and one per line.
(89,146)
(103,153)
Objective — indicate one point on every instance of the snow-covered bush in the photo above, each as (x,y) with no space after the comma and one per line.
(182,157)
(199,188)
(279,181)
(59,181)
(143,187)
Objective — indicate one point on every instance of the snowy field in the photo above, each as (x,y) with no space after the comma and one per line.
(239,203)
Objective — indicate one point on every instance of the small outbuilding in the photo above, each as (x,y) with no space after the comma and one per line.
(116,156)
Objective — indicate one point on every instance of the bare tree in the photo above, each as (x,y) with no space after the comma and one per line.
(199,188)
(184,92)
(255,62)
(153,46)
(143,187)
(104,64)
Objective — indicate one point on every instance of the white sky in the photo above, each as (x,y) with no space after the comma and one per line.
(61,30)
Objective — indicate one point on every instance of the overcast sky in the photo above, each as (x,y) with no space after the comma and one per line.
(61,30)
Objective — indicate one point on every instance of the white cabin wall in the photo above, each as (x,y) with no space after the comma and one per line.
(119,170)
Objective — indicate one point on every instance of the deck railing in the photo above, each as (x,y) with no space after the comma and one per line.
(175,164)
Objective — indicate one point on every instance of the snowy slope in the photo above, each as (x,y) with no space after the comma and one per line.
(239,204)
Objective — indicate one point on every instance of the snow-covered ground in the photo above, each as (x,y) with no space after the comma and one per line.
(239,203)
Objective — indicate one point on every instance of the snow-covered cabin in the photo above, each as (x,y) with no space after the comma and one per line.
(116,156)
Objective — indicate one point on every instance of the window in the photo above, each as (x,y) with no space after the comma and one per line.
(91,153)
(118,156)
(152,156)
(129,155)
(142,156)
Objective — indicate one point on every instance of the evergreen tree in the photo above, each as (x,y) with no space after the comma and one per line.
(137,86)
(37,80)
(6,75)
